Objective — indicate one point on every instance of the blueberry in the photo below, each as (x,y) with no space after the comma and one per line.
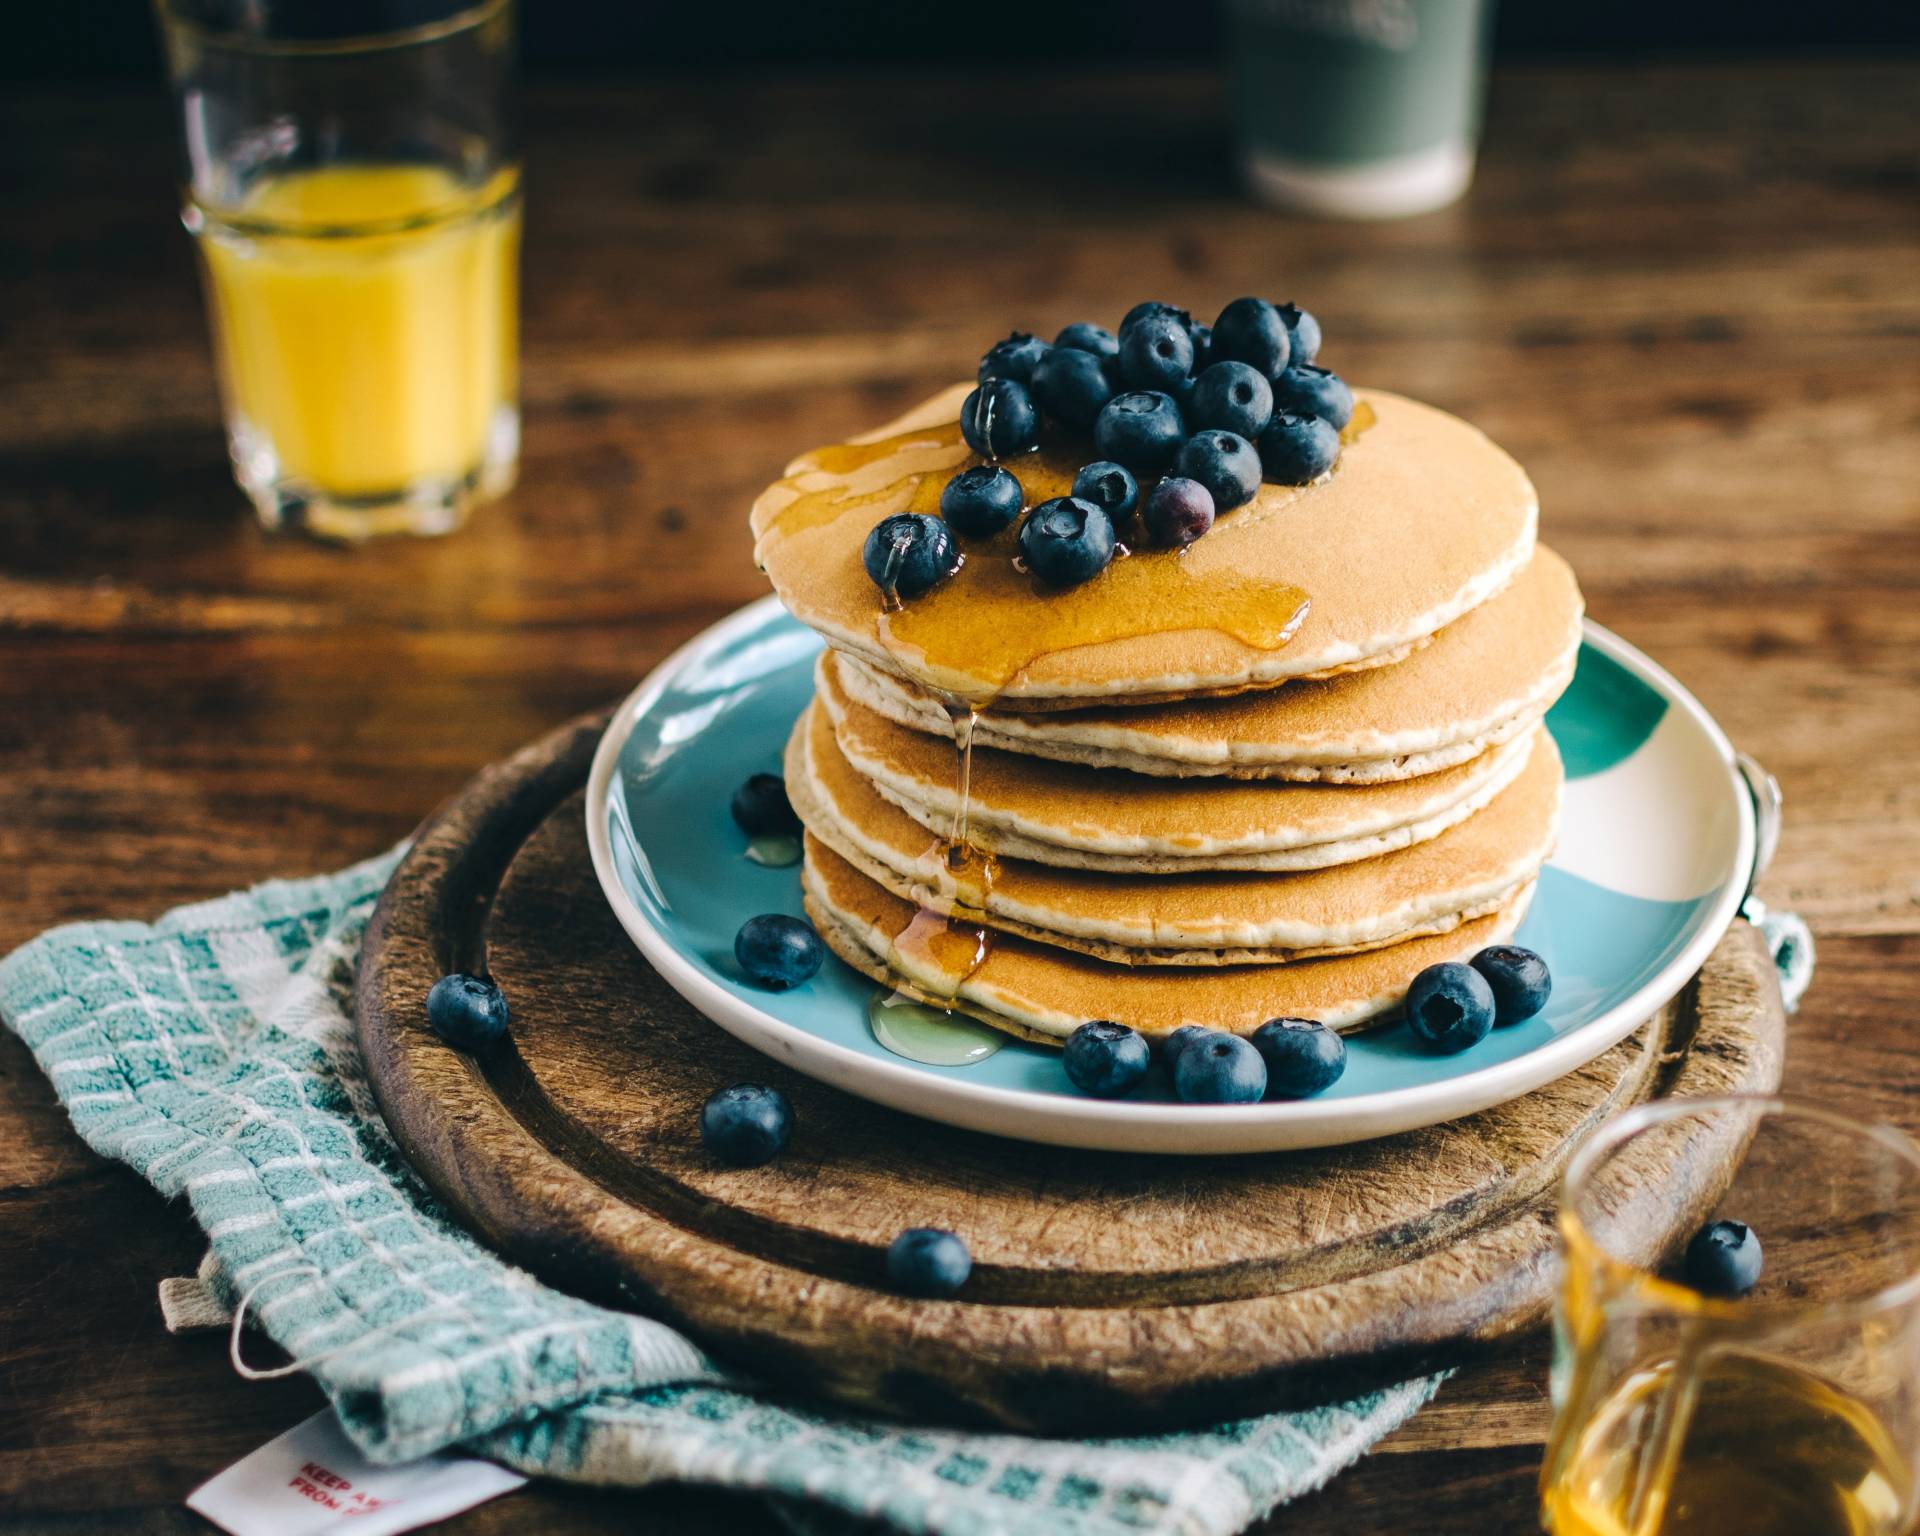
(1106,1059)
(1013,358)
(777,951)
(468,1012)
(1152,309)
(746,1125)
(925,1261)
(1072,386)
(1519,978)
(1084,337)
(1141,429)
(1225,463)
(1202,347)
(1066,541)
(1309,391)
(1220,1069)
(1724,1259)
(1157,353)
(1296,449)
(1251,331)
(979,502)
(1449,1007)
(1176,512)
(1231,397)
(761,808)
(998,419)
(1303,333)
(909,554)
(1303,1057)
(1109,486)
(1170,1046)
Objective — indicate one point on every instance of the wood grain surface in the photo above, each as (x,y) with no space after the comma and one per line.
(1686,297)
(1108,1293)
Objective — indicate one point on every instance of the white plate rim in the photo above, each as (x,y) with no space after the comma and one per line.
(1123,1126)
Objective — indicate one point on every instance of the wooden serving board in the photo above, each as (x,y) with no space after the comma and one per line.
(1109,1292)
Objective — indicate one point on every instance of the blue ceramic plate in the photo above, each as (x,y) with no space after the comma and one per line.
(1656,848)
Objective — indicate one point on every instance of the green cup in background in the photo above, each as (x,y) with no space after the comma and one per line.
(1360,108)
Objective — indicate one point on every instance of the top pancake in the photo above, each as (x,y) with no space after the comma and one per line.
(1420,520)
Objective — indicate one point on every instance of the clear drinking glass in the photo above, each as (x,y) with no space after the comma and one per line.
(1794,1409)
(353,184)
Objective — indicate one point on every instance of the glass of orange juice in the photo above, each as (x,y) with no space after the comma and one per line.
(353,184)
(1764,1379)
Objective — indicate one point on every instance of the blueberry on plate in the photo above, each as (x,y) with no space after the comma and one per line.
(998,419)
(777,951)
(1219,1069)
(1251,331)
(1309,391)
(1449,1007)
(468,1012)
(1066,541)
(1072,386)
(1176,512)
(1083,336)
(1141,429)
(929,1262)
(761,808)
(1109,486)
(1157,353)
(1303,333)
(979,502)
(1519,978)
(1303,1057)
(746,1125)
(1723,1259)
(1171,1045)
(1225,463)
(1106,1059)
(1231,397)
(1013,358)
(909,554)
(1297,449)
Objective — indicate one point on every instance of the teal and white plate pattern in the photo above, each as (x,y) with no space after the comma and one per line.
(1657,846)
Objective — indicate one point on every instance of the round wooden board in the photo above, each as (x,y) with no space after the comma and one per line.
(1109,1293)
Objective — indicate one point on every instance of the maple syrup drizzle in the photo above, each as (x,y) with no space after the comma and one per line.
(964,718)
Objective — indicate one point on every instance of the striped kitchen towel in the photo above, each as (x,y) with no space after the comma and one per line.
(214,1052)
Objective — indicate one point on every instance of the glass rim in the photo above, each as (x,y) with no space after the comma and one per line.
(463,20)
(203,219)
(1630,1123)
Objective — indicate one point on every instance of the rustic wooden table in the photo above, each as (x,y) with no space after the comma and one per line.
(1686,298)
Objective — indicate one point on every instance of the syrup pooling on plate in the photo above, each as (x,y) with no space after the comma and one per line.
(938,1037)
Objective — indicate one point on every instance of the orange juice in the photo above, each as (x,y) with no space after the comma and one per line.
(366,324)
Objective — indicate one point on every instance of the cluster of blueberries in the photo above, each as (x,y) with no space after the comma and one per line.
(1198,414)
(1449,1007)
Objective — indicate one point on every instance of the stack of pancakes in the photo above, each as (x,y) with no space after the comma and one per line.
(1183,802)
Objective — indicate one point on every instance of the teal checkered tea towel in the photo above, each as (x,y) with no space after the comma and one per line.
(214,1052)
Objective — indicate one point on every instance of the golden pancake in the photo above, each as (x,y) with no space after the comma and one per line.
(1484,679)
(1421,520)
(1195,919)
(1107,819)
(1043,993)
